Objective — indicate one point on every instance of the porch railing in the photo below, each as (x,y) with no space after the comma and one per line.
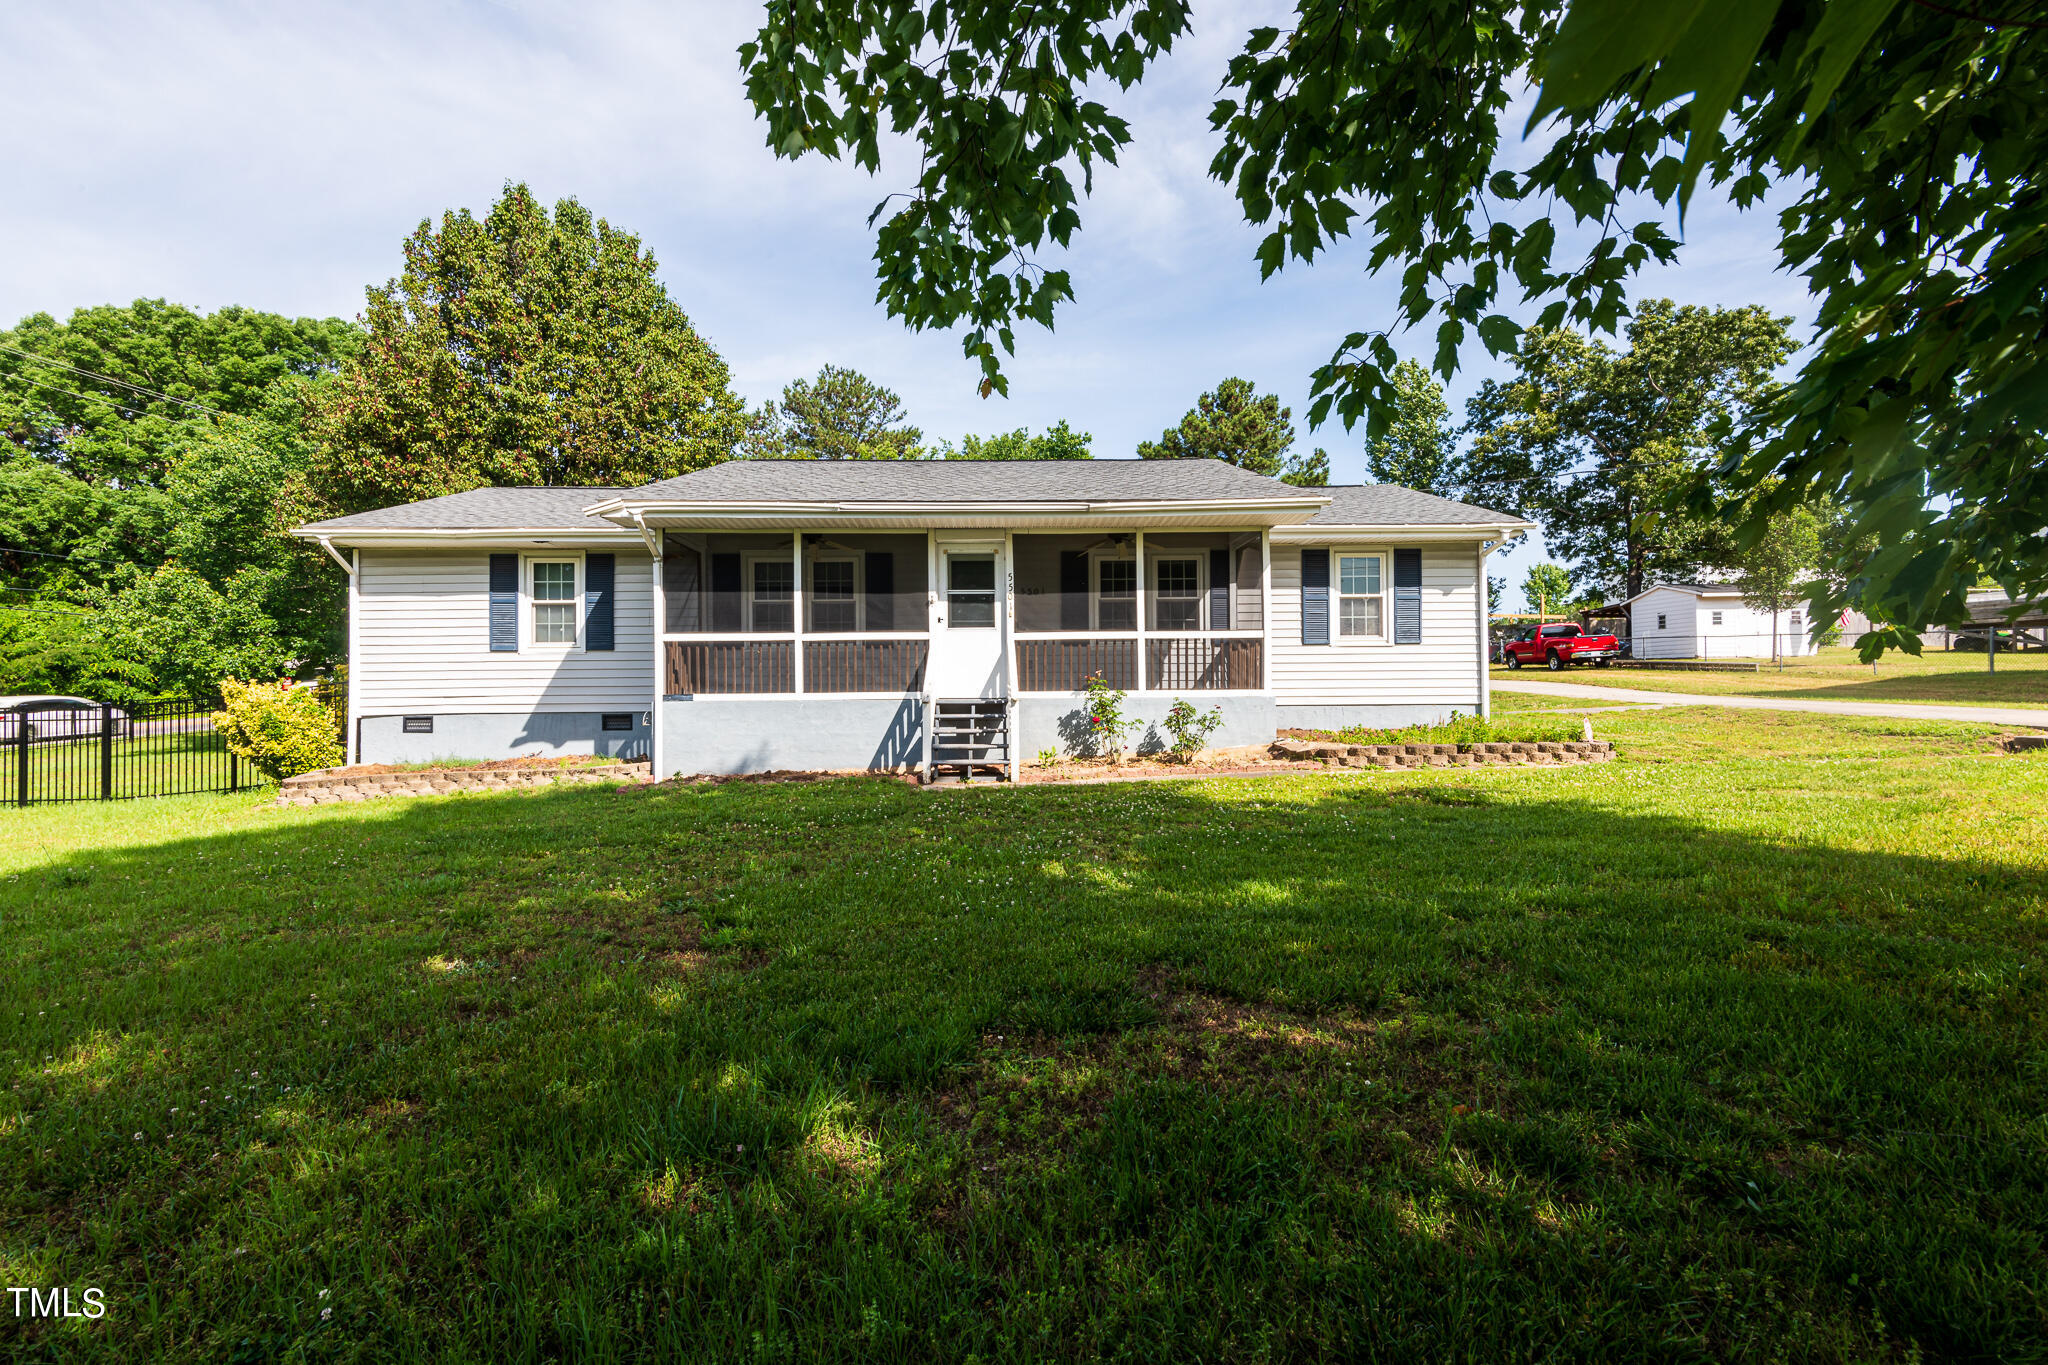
(706,667)
(864,665)
(1196,663)
(1066,665)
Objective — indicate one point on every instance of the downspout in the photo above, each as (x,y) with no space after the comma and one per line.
(1486,547)
(351,738)
(659,598)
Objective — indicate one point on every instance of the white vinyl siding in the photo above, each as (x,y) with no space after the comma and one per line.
(423,643)
(1676,639)
(1441,671)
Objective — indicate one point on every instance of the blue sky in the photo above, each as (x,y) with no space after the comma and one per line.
(275,156)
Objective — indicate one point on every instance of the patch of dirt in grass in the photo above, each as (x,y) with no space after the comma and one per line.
(1027,1098)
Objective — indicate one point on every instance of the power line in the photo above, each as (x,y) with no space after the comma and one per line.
(31,611)
(45,554)
(88,397)
(109,379)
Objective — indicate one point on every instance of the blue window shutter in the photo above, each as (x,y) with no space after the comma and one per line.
(504,603)
(881,589)
(598,573)
(1407,597)
(1219,590)
(1315,597)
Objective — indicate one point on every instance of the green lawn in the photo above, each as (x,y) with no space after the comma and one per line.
(1956,678)
(1732,1049)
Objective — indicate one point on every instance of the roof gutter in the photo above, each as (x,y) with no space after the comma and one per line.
(616,507)
(1452,530)
(327,544)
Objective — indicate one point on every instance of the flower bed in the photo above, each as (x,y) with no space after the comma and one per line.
(367,780)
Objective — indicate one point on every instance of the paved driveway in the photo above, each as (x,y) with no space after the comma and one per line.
(1898,710)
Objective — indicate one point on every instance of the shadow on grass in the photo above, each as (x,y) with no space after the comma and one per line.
(1295,1069)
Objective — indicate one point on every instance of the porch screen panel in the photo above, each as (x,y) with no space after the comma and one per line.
(1219,590)
(1251,607)
(726,610)
(1073,590)
(682,583)
(881,590)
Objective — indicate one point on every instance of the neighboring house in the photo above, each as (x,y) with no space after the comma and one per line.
(1989,608)
(801,614)
(1710,621)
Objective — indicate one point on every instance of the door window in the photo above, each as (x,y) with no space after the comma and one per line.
(971,592)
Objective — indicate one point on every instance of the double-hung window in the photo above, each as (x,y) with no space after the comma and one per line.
(553,594)
(771,596)
(1361,597)
(1116,594)
(832,603)
(1178,584)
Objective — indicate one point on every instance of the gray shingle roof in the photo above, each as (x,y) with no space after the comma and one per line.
(1388,504)
(968,481)
(523,509)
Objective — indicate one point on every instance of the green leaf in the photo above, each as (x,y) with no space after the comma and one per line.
(1844,30)
(1603,40)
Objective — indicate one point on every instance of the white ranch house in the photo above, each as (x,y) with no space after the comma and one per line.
(799,614)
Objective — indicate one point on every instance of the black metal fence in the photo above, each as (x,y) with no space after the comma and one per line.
(113,753)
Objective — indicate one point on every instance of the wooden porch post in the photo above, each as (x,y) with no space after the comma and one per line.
(1266,607)
(796,610)
(1144,600)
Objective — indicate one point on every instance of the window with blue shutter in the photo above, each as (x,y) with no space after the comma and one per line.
(1407,597)
(504,603)
(1315,597)
(1219,590)
(598,573)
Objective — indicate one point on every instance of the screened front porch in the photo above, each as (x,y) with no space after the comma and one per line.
(855,614)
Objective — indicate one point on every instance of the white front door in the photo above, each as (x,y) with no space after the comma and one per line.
(968,623)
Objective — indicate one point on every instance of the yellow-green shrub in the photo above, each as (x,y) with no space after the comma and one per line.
(282,728)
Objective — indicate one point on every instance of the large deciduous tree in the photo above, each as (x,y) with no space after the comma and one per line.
(1420,447)
(841,415)
(521,348)
(111,395)
(1601,445)
(1907,134)
(1237,424)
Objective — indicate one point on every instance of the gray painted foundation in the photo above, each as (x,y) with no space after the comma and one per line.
(1061,723)
(551,734)
(708,735)
(1377,717)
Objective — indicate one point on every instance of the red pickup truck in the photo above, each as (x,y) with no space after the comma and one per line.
(1558,645)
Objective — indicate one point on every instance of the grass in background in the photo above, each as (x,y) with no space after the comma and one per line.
(1731,1050)
(1955,678)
